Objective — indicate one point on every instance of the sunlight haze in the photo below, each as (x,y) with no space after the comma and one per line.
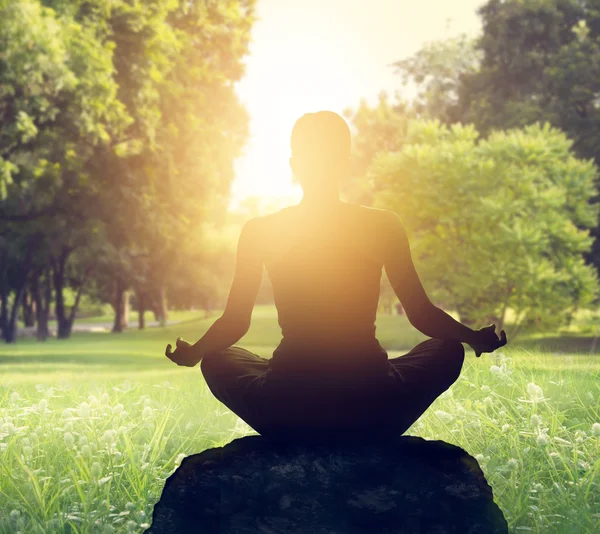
(311,55)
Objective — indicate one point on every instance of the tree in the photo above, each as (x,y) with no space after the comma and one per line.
(495,223)
(540,62)
(120,127)
(437,72)
(381,128)
(175,164)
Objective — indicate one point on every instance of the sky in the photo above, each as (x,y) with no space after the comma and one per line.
(312,55)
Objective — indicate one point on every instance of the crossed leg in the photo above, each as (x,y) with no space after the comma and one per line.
(297,408)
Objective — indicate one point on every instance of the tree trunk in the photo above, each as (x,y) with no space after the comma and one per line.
(47,294)
(121,305)
(71,318)
(125,314)
(28,309)
(62,323)
(141,302)
(10,333)
(4,293)
(3,309)
(466,318)
(41,307)
(161,307)
(10,330)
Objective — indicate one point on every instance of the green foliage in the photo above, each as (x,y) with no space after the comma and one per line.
(540,62)
(437,70)
(120,127)
(376,129)
(494,224)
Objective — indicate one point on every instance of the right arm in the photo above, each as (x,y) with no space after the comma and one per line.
(420,311)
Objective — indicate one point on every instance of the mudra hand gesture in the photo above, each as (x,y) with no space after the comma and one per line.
(487,340)
(185,353)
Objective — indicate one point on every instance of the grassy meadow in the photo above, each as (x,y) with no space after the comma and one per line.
(91,427)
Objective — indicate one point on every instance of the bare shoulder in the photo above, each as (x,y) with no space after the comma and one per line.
(382,218)
(273,220)
(269,228)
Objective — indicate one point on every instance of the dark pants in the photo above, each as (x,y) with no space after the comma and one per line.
(297,407)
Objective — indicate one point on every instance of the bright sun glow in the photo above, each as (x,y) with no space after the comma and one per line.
(311,55)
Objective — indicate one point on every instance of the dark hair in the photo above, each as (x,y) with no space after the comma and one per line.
(320,134)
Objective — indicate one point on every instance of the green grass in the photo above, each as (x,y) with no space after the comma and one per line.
(91,427)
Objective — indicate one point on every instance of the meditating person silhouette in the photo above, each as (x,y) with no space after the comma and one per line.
(329,376)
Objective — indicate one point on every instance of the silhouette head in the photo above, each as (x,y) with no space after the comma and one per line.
(320,144)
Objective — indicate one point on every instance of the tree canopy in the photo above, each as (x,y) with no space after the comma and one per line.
(120,127)
(494,224)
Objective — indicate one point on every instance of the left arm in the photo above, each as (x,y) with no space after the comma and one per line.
(235,320)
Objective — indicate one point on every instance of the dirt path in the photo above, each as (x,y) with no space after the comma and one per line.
(88,327)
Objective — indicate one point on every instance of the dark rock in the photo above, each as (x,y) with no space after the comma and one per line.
(254,485)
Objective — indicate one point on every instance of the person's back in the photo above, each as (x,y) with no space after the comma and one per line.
(325,258)
(325,266)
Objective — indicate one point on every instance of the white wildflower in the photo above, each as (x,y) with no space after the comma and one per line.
(535,420)
(447,394)
(84,410)
(535,392)
(542,440)
(445,417)
(109,437)
(497,371)
(147,413)
(69,440)
(505,427)
(596,429)
(512,464)
(96,470)
(15,397)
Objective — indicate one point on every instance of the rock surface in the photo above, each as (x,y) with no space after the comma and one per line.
(403,485)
